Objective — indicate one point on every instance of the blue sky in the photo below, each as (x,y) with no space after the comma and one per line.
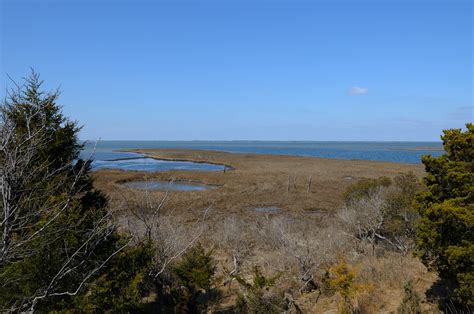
(261,69)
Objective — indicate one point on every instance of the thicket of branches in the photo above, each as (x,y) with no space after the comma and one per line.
(60,248)
(55,230)
(335,258)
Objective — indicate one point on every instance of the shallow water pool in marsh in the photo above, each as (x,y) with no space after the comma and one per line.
(167,185)
(270,209)
(139,162)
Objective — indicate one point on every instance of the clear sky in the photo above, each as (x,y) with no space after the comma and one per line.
(253,69)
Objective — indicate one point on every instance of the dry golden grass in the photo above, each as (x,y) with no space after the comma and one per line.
(257,180)
(275,241)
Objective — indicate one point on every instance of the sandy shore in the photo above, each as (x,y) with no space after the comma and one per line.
(256,180)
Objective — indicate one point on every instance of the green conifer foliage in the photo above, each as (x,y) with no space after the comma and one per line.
(194,273)
(445,235)
(56,235)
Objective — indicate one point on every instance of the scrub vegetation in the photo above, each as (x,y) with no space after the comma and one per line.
(352,236)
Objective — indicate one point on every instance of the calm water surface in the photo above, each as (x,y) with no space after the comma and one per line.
(167,185)
(271,209)
(151,165)
(405,152)
(105,156)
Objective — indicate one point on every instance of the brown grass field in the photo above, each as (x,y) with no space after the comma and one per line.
(236,229)
(257,180)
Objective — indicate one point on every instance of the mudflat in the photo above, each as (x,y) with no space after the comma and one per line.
(291,183)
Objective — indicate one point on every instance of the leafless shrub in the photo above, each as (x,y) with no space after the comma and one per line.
(235,238)
(364,217)
(294,246)
(367,219)
(26,180)
(169,237)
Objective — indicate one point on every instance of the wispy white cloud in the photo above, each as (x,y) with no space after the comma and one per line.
(462,113)
(358,90)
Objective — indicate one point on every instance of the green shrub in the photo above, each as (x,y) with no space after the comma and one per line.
(123,285)
(342,279)
(58,239)
(445,234)
(411,301)
(194,275)
(364,187)
(401,216)
(258,297)
(396,215)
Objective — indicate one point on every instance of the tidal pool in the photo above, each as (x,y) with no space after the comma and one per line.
(153,165)
(270,209)
(168,185)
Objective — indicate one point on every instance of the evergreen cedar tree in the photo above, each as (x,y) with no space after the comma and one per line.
(120,283)
(445,233)
(193,276)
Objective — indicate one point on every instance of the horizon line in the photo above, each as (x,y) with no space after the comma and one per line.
(294,141)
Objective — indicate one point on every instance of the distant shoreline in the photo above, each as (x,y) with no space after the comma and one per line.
(405,152)
(424,148)
(266,141)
